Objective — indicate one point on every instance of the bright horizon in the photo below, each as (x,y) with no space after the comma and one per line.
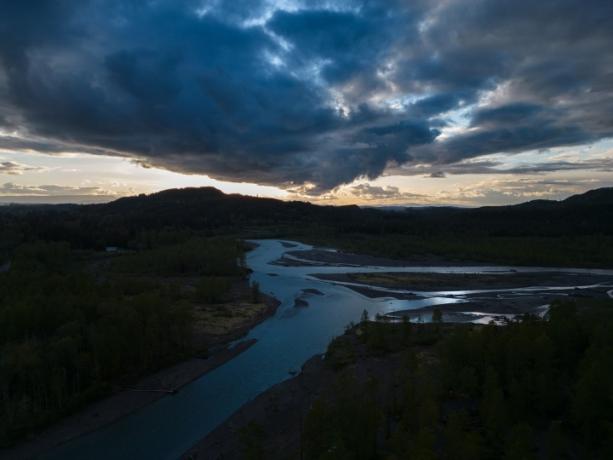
(86,178)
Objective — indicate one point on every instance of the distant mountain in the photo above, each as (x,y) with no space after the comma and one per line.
(588,213)
(395,208)
(596,197)
(591,212)
(206,207)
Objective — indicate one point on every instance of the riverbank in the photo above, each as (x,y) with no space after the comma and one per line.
(147,390)
(279,412)
(98,415)
(219,324)
(481,310)
(274,421)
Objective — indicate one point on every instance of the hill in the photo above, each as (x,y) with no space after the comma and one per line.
(209,208)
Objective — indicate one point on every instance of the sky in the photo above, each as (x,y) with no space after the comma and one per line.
(387,102)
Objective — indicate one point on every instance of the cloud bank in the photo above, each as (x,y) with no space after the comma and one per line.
(305,94)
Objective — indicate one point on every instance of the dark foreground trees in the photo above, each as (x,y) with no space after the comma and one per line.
(74,326)
(531,390)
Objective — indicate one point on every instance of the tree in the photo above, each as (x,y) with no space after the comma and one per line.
(406,330)
(520,443)
(255,292)
(556,442)
(211,289)
(252,440)
(317,434)
(376,337)
(493,408)
(461,443)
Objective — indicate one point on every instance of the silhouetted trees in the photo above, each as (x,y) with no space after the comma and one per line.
(255,292)
(532,389)
(74,325)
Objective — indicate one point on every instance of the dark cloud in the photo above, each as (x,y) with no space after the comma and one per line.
(517,113)
(548,62)
(441,103)
(318,93)
(344,44)
(14,169)
(49,190)
(375,193)
(50,146)
(604,164)
(52,194)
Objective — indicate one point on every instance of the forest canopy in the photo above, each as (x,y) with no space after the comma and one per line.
(531,390)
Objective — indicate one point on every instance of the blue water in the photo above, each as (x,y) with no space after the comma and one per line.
(170,426)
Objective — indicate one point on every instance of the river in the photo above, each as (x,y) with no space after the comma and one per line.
(171,425)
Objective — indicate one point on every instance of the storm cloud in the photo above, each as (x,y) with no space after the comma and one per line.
(299,93)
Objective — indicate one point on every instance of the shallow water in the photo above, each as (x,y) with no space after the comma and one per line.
(171,425)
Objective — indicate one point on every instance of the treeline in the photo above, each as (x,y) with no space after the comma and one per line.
(207,211)
(195,256)
(531,390)
(75,325)
(577,251)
